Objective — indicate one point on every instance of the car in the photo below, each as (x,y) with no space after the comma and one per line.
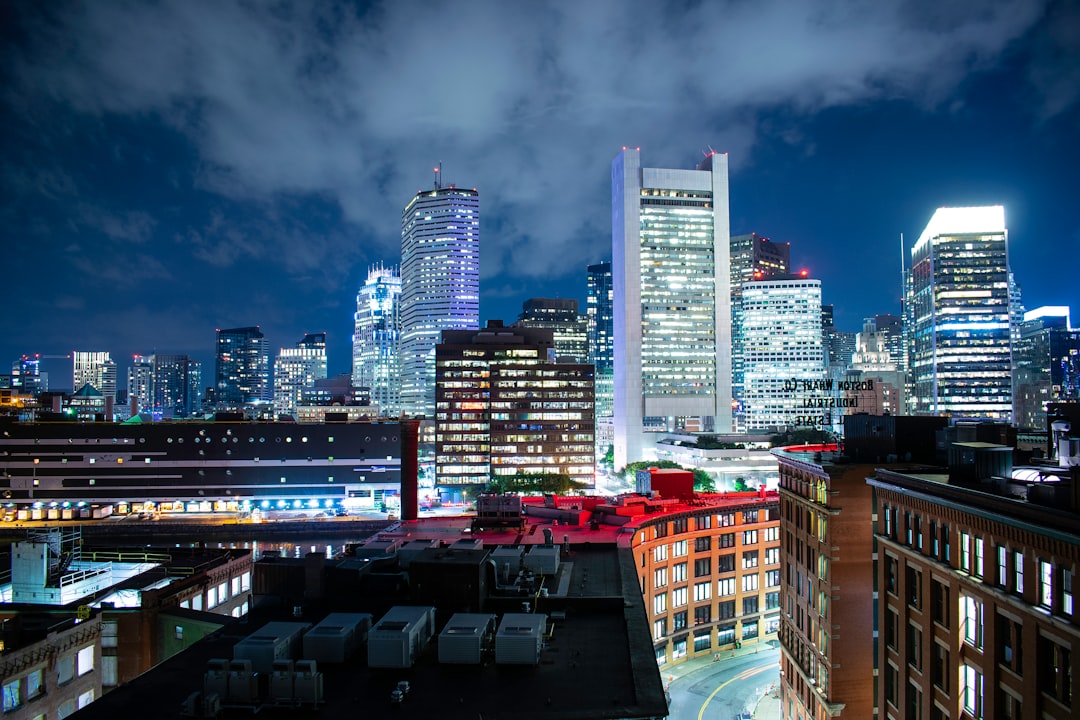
(341,512)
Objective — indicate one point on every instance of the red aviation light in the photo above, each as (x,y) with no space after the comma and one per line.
(804,273)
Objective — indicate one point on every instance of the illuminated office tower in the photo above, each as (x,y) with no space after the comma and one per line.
(375,338)
(171,385)
(26,376)
(783,355)
(1046,366)
(561,316)
(96,369)
(960,309)
(440,284)
(296,368)
(752,258)
(598,313)
(140,383)
(671,300)
(242,368)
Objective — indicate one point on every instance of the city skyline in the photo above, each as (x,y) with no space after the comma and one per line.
(148,200)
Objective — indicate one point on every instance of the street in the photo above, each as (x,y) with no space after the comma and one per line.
(724,689)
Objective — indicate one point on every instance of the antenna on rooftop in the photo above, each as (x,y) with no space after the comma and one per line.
(438,176)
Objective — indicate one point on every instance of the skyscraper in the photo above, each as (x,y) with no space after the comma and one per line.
(296,368)
(440,284)
(1047,365)
(560,315)
(783,354)
(96,369)
(672,301)
(599,314)
(171,385)
(960,309)
(242,371)
(375,338)
(752,258)
(140,383)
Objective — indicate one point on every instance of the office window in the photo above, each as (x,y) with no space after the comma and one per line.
(1018,572)
(678,597)
(35,684)
(702,614)
(702,591)
(939,667)
(971,690)
(678,621)
(65,669)
(702,567)
(749,629)
(1010,644)
(659,553)
(678,649)
(749,537)
(725,610)
(965,552)
(750,605)
(86,698)
(726,540)
(660,530)
(890,574)
(909,529)
(772,556)
(913,701)
(971,621)
(680,525)
(890,684)
(725,587)
(725,634)
(750,559)
(660,577)
(749,583)
(772,600)
(12,695)
(84,661)
(914,646)
(1002,566)
(725,563)
(772,534)
(886,511)
(939,602)
(1046,584)
(725,519)
(1011,707)
(1055,670)
(702,642)
(678,572)
(702,544)
(977,559)
(892,638)
(659,603)
(935,542)
(704,522)
(1067,592)
(749,516)
(946,543)
(914,588)
(659,628)
(679,548)
(772,578)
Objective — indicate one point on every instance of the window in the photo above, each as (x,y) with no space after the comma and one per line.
(971,621)
(12,695)
(704,522)
(749,583)
(892,638)
(179,632)
(946,543)
(726,540)
(939,667)
(703,641)
(35,684)
(659,553)
(680,525)
(725,610)
(772,556)
(725,634)
(725,587)
(86,698)
(971,690)
(1010,643)
(678,572)
(725,563)
(702,567)
(65,669)
(890,574)
(659,603)
(1046,584)
(702,591)
(659,628)
(939,602)
(245,582)
(196,602)
(84,661)
(749,629)
(914,646)
(977,568)
(1018,572)
(749,537)
(1055,671)
(678,621)
(749,516)
(772,534)
(702,614)
(678,597)
(702,544)
(679,548)
(772,578)
(1067,592)
(726,519)
(965,552)
(235,586)
(1002,566)
(678,649)
(660,577)
(65,709)
(935,541)
(914,587)
(890,684)
(750,605)
(750,559)
(211,598)
(660,530)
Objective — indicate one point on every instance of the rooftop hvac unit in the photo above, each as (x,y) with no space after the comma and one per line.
(307,683)
(337,637)
(243,684)
(520,638)
(274,641)
(216,679)
(465,638)
(399,636)
(281,681)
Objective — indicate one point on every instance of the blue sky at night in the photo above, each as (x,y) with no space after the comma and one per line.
(169,168)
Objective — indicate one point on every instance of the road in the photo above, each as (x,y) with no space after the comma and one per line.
(721,690)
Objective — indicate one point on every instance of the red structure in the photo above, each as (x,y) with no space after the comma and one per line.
(672,483)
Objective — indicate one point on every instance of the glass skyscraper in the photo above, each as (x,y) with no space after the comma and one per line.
(440,284)
(375,337)
(672,301)
(1047,365)
(559,315)
(242,368)
(297,368)
(959,310)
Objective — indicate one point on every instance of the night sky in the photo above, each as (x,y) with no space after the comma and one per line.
(169,168)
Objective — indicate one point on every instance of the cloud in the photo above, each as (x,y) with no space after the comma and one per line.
(526,101)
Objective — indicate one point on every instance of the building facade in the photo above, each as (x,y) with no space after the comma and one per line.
(297,368)
(570,330)
(599,314)
(242,370)
(960,312)
(1046,367)
(783,357)
(976,599)
(672,301)
(440,284)
(376,326)
(96,369)
(504,409)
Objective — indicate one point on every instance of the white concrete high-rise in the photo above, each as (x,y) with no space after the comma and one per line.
(672,301)
(297,368)
(440,284)
(96,369)
(376,327)
(960,312)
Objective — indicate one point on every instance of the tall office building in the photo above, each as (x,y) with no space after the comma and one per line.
(26,376)
(171,385)
(505,408)
(194,388)
(890,328)
(1046,367)
(242,368)
(600,317)
(752,258)
(296,368)
(375,340)
(571,330)
(874,378)
(140,383)
(783,355)
(960,308)
(440,284)
(96,369)
(672,301)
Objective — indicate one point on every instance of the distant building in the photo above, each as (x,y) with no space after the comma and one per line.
(140,383)
(783,355)
(296,368)
(560,315)
(505,409)
(376,331)
(242,372)
(96,369)
(752,258)
(1046,365)
(440,284)
(26,376)
(599,313)
(960,310)
(672,301)
(874,378)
